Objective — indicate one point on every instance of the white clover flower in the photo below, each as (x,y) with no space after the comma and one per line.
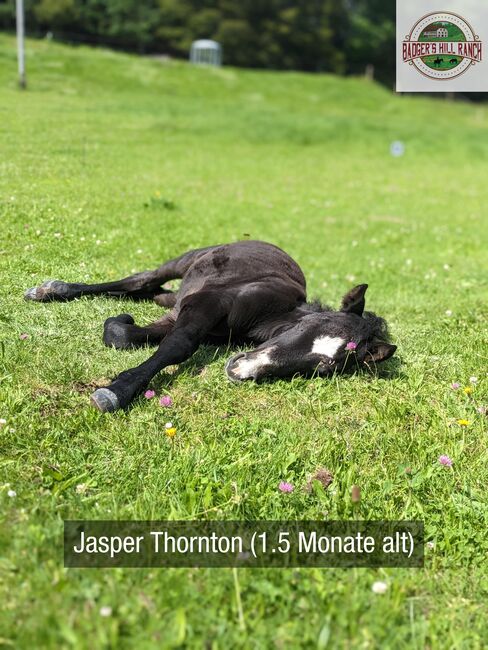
(105,611)
(12,494)
(379,587)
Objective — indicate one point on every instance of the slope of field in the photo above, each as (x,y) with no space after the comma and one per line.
(111,164)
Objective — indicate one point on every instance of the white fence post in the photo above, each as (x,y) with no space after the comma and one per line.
(20,42)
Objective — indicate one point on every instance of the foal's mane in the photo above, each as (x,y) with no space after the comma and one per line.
(378,325)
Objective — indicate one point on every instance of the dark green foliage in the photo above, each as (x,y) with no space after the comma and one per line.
(313,35)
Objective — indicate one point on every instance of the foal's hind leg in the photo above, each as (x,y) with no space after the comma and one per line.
(121,332)
(145,285)
(141,285)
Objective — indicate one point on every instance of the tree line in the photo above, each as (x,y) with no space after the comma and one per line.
(339,36)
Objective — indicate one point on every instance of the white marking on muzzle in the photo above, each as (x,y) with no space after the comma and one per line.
(248,367)
(327,346)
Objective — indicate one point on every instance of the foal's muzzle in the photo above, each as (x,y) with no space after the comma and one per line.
(250,365)
(232,368)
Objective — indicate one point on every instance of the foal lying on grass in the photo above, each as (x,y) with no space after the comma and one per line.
(251,292)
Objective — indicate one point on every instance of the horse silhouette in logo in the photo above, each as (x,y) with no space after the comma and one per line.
(453,61)
(438,62)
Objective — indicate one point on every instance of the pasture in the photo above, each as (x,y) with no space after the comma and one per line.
(111,164)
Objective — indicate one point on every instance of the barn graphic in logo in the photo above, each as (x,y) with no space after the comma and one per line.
(442,46)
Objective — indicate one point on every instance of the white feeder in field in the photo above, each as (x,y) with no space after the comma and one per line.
(206,52)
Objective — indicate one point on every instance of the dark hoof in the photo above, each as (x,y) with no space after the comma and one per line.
(116,331)
(50,290)
(105,400)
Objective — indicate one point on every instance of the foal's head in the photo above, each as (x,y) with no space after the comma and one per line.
(321,343)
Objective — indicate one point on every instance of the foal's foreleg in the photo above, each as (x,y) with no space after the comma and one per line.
(121,332)
(196,319)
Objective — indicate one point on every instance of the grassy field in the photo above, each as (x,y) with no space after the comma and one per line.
(112,163)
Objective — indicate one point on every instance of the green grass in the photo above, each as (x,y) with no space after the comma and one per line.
(112,163)
(445,63)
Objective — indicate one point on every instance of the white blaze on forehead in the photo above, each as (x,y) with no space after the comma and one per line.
(327,346)
(247,367)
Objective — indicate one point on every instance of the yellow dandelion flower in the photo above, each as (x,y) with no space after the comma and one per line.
(464,423)
(170,429)
(468,390)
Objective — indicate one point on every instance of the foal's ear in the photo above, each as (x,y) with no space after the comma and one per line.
(353,301)
(380,352)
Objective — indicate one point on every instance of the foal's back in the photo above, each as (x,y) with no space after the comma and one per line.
(233,267)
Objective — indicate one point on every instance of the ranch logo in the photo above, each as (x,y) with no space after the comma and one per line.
(442,46)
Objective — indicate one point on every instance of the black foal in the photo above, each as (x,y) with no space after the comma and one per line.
(248,291)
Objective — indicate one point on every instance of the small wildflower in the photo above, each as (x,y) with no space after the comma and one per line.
(468,390)
(430,545)
(351,346)
(455,385)
(284,486)
(482,410)
(166,401)
(57,235)
(464,423)
(448,313)
(81,488)
(445,460)
(12,494)
(170,429)
(3,422)
(379,587)
(23,337)
(149,394)
(105,611)
(473,380)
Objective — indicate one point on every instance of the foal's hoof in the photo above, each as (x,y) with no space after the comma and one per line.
(105,400)
(116,331)
(50,290)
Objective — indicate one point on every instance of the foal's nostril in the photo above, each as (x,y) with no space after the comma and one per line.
(231,365)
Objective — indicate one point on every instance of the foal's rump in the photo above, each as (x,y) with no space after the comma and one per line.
(242,263)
